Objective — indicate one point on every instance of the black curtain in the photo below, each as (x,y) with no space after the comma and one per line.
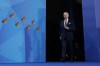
(54,15)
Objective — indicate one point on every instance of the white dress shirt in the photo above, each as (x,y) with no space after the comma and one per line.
(65,22)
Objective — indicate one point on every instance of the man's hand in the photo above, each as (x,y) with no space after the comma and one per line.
(67,28)
(60,37)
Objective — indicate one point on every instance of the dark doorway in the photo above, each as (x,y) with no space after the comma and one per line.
(54,15)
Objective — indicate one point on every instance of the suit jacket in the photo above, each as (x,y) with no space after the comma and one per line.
(64,33)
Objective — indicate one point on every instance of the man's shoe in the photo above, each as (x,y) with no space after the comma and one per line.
(62,60)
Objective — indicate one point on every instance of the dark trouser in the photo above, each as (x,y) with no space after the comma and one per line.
(67,48)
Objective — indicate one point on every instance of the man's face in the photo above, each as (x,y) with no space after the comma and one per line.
(66,15)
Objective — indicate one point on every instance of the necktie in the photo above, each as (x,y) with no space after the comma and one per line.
(65,24)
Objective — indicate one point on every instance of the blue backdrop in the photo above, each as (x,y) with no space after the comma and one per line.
(19,44)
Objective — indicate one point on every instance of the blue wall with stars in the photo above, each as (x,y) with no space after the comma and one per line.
(17,43)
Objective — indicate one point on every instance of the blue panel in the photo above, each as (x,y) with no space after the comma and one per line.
(92,52)
(97,12)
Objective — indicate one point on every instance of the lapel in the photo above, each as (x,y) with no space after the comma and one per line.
(69,22)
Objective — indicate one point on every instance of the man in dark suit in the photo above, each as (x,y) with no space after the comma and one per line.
(66,36)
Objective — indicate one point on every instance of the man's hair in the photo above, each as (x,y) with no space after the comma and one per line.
(66,12)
